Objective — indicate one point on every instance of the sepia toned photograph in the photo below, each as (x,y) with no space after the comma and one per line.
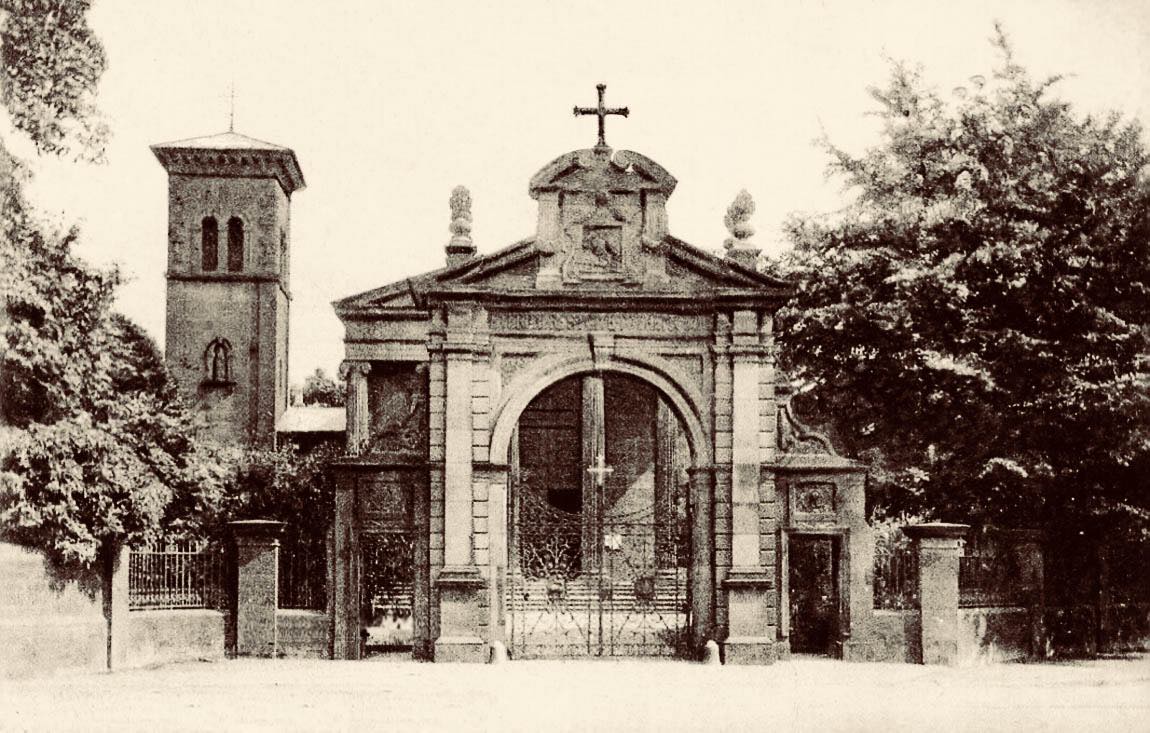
(549,366)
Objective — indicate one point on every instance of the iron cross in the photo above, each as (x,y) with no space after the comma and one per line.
(601,112)
(600,470)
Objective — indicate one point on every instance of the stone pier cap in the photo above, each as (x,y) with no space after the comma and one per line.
(257,529)
(937,531)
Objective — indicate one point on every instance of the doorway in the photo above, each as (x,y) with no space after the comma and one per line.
(813,582)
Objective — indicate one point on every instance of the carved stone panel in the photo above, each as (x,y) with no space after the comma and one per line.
(386,503)
(397,408)
(601,235)
(643,324)
(813,502)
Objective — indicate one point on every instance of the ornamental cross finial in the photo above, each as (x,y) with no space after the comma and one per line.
(601,112)
(600,470)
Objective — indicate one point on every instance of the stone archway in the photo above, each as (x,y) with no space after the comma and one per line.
(600,563)
(686,401)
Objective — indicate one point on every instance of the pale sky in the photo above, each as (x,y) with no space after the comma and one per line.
(388,105)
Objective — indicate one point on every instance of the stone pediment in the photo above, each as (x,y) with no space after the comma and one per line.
(690,275)
(601,234)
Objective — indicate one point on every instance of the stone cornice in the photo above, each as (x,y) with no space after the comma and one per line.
(229,277)
(676,302)
(280,164)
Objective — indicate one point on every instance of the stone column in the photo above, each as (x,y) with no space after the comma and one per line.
(116,559)
(750,587)
(355,374)
(939,547)
(257,586)
(702,554)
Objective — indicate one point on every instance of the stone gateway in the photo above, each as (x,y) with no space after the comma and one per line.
(577,446)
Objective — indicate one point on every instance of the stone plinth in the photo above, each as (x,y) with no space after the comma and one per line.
(939,546)
(257,586)
(460,616)
(751,619)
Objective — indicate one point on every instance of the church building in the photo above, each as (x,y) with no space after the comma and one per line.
(577,445)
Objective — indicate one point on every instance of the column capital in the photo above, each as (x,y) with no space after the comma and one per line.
(748,352)
(354,368)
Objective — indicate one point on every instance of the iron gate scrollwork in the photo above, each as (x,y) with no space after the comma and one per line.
(604,581)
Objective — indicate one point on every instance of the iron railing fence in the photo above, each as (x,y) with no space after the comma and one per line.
(990,579)
(303,574)
(186,574)
(895,573)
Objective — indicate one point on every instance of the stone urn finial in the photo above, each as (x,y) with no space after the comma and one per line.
(460,248)
(738,221)
(740,248)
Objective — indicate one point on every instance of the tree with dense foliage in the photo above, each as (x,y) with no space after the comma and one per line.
(97,451)
(320,389)
(974,322)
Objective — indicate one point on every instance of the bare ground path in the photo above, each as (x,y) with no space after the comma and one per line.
(801,694)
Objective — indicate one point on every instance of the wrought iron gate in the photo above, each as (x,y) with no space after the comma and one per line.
(598,582)
(388,590)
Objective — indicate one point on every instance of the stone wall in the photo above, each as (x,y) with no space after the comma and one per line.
(303,633)
(891,636)
(178,635)
(45,627)
(993,634)
(48,627)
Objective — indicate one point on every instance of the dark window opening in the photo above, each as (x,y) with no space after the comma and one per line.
(210,244)
(235,245)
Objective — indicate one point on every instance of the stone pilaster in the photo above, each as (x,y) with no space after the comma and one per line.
(457,461)
(702,554)
(939,547)
(257,586)
(354,373)
(345,599)
(751,625)
(460,584)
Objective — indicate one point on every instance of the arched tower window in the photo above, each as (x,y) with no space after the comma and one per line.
(209,244)
(218,361)
(235,244)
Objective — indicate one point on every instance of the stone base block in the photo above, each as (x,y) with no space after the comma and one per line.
(466,649)
(750,650)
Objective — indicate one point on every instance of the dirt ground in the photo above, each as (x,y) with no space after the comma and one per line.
(800,694)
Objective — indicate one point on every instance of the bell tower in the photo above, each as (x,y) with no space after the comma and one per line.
(228,294)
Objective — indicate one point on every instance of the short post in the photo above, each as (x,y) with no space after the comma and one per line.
(257,586)
(939,547)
